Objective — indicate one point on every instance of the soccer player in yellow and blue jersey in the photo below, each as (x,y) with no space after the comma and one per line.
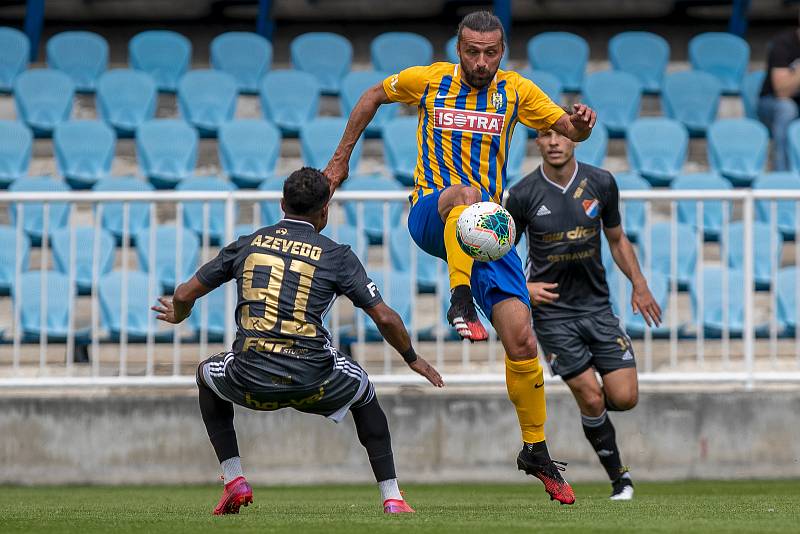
(467,114)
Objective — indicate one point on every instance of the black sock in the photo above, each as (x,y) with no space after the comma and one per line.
(600,433)
(538,450)
(373,433)
(218,418)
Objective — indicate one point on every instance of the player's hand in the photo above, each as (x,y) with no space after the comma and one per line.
(166,311)
(583,117)
(336,171)
(642,301)
(541,293)
(422,367)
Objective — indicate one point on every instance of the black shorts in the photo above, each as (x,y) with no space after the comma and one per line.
(571,346)
(331,394)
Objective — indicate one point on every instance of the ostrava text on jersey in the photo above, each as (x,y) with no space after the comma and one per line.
(563,228)
(288,276)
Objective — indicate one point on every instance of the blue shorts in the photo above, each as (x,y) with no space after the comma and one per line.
(492,281)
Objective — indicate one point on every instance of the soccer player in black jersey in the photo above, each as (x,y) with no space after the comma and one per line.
(287,277)
(562,207)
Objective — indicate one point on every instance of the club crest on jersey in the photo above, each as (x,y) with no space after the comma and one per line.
(591,208)
(468,121)
(497,100)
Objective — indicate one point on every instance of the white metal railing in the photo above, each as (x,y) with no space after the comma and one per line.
(681,352)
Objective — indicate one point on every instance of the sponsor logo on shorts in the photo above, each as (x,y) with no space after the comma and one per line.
(277,405)
(468,121)
(591,208)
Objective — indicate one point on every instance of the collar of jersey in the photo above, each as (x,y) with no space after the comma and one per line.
(295,221)
(554,184)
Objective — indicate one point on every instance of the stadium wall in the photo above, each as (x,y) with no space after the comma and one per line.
(157,437)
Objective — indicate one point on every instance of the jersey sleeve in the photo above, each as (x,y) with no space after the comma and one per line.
(354,283)
(610,215)
(407,85)
(536,110)
(221,269)
(512,203)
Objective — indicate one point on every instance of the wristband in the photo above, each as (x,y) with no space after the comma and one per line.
(410,356)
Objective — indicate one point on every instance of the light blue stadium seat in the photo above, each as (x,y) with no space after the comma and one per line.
(139,320)
(82,55)
(751,89)
(84,237)
(396,293)
(14,59)
(43,98)
(632,210)
(691,97)
(562,54)
(400,245)
(451,51)
(657,148)
(125,99)
(643,54)
(394,51)
(271,211)
(619,289)
(714,303)
(8,257)
(166,253)
(353,86)
(546,81)
(248,150)
(112,218)
(723,55)
(167,151)
(289,110)
(737,149)
(400,148)
(787,299)
(326,56)
(659,253)
(516,157)
(593,150)
(163,54)
(57,316)
(372,210)
(246,56)
(16,144)
(33,212)
(209,313)
(348,235)
(193,211)
(207,99)
(767,249)
(793,140)
(522,251)
(616,96)
(84,151)
(713,210)
(319,139)
(785,210)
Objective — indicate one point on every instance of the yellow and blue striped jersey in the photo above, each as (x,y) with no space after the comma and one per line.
(464,133)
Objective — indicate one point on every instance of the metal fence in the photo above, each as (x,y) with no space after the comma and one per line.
(752,338)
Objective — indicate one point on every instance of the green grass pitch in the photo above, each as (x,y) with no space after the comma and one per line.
(464,508)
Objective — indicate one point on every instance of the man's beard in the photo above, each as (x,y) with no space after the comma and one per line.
(474,81)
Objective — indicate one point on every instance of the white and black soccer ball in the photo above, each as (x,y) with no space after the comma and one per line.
(485,231)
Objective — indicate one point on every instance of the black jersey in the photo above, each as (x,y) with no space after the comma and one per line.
(563,226)
(287,276)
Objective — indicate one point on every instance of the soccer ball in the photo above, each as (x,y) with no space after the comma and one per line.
(485,231)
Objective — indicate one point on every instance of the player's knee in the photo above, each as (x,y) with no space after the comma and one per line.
(592,402)
(458,195)
(522,348)
(624,400)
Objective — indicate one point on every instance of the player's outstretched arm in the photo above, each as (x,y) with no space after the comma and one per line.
(394,332)
(179,307)
(577,125)
(339,166)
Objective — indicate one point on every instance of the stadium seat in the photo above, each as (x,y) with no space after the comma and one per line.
(396,294)
(248,150)
(125,99)
(751,89)
(139,296)
(787,299)
(632,210)
(57,303)
(657,148)
(793,140)
(619,289)
(163,54)
(289,110)
(593,150)
(8,257)
(353,86)
(33,212)
(713,210)
(84,151)
(658,254)
(785,210)
(451,52)
(737,149)
(319,139)
(517,151)
(43,98)
(723,55)
(209,313)
(400,148)
(16,145)
(400,247)
(112,217)
(82,55)
(214,225)
(348,235)
(372,210)
(207,99)
(546,81)
(716,304)
(764,242)
(167,151)
(166,237)
(616,96)
(692,98)
(14,59)
(84,245)
(246,56)
(563,54)
(326,56)
(394,51)
(643,54)
(271,211)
